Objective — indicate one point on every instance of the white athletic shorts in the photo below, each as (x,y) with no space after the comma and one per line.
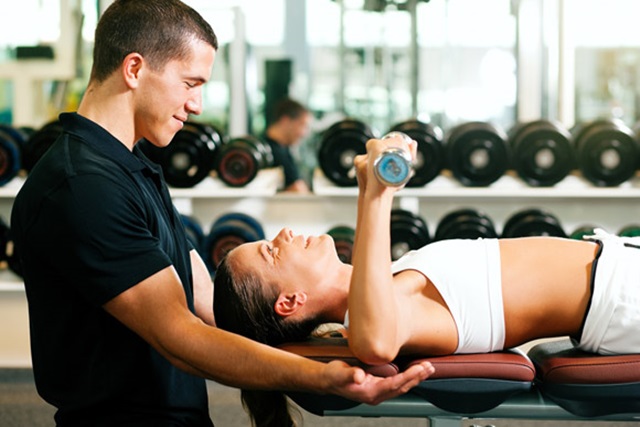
(612,323)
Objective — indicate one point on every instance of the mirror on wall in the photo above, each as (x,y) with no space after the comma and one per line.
(445,61)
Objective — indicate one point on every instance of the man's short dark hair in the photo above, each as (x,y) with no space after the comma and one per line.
(288,107)
(159,30)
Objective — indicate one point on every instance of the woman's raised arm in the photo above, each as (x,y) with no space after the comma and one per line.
(374,330)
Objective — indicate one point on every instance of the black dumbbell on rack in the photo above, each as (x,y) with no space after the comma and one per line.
(339,145)
(465,223)
(189,157)
(584,230)
(429,160)
(477,153)
(409,231)
(542,153)
(227,232)
(343,238)
(39,142)
(607,151)
(241,158)
(8,257)
(12,141)
(194,231)
(533,222)
(630,230)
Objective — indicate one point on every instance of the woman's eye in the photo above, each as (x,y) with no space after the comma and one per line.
(270,249)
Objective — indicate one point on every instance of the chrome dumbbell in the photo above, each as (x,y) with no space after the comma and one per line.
(393,167)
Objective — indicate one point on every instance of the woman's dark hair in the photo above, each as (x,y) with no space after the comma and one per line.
(244,306)
(159,30)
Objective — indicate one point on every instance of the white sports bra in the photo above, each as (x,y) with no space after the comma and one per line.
(467,275)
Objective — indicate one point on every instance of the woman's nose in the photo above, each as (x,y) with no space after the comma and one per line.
(285,235)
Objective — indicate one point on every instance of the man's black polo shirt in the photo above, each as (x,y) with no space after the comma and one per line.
(282,157)
(92,220)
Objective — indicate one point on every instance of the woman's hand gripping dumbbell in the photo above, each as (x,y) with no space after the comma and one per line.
(389,159)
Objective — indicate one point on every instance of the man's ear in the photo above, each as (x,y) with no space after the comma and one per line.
(131,66)
(289,303)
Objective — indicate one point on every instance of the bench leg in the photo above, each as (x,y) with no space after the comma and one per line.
(444,422)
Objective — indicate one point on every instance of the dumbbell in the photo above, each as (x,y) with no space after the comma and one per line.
(227,232)
(477,153)
(430,153)
(631,230)
(607,151)
(189,157)
(12,141)
(533,222)
(241,158)
(542,153)
(39,142)
(194,231)
(409,231)
(581,231)
(465,223)
(7,253)
(339,145)
(394,166)
(343,237)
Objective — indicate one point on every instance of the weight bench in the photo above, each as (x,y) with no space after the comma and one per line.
(553,381)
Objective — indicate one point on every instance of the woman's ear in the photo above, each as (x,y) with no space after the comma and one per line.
(289,303)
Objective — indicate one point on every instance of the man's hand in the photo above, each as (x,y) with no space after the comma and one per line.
(355,384)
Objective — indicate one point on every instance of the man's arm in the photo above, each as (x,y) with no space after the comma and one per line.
(156,310)
(298,186)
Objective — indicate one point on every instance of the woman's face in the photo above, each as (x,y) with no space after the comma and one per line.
(293,262)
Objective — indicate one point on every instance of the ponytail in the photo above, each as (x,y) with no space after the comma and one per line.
(244,306)
(268,408)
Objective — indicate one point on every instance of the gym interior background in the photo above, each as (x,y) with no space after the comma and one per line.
(526,112)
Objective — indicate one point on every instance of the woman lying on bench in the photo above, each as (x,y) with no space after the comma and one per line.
(452,296)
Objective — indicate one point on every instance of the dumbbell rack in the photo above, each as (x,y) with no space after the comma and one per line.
(573,200)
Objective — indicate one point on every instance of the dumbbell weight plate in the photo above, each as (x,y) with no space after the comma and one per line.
(409,231)
(533,222)
(466,223)
(542,152)
(240,159)
(430,153)
(632,230)
(251,221)
(9,157)
(194,231)
(607,152)
(339,145)
(477,153)
(39,142)
(7,253)
(343,237)
(583,230)
(225,235)
(190,156)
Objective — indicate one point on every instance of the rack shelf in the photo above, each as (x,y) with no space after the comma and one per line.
(508,186)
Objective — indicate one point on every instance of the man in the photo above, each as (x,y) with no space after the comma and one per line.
(120,304)
(291,122)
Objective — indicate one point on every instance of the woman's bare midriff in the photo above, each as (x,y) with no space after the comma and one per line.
(545,286)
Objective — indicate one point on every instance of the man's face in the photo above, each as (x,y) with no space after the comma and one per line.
(168,97)
(298,128)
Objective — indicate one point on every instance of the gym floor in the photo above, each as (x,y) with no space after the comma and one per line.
(20,406)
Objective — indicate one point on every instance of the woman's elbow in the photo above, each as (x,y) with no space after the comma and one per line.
(373,352)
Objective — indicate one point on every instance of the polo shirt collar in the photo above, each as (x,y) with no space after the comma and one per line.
(100,139)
